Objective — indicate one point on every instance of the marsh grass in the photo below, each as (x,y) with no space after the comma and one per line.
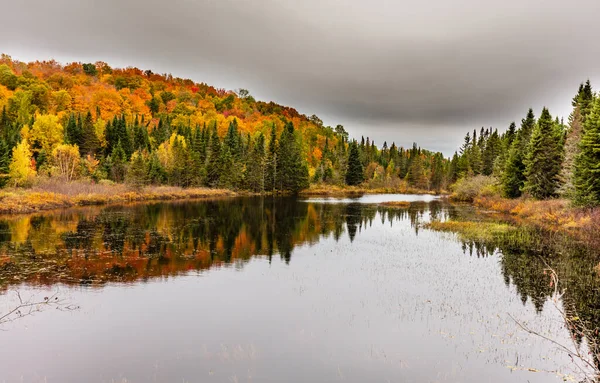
(55,195)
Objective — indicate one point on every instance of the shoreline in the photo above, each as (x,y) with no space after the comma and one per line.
(27,201)
(47,197)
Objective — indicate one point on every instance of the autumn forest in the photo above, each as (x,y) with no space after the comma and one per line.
(106,125)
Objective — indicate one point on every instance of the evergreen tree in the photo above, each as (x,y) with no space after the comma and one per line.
(292,171)
(354,173)
(89,142)
(137,175)
(572,142)
(493,147)
(72,133)
(587,163)
(4,162)
(513,178)
(156,172)
(256,171)
(213,168)
(543,159)
(271,175)
(437,172)
(118,163)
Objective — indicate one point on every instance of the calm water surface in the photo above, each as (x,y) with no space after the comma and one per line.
(271,290)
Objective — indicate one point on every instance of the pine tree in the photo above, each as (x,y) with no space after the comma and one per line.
(354,173)
(271,175)
(256,171)
(89,143)
(292,170)
(543,159)
(118,163)
(493,147)
(572,142)
(513,178)
(587,163)
(437,172)
(4,162)
(137,175)
(72,133)
(213,168)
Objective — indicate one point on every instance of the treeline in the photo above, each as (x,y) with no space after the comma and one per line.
(90,121)
(543,158)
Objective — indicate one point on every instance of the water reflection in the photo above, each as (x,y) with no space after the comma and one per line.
(95,246)
(138,243)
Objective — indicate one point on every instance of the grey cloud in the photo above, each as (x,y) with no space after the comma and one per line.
(396,70)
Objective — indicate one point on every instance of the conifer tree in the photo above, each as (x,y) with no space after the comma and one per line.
(271,164)
(118,163)
(137,175)
(587,163)
(89,143)
(493,147)
(543,159)
(572,141)
(354,173)
(4,162)
(256,170)
(213,168)
(72,134)
(513,178)
(292,171)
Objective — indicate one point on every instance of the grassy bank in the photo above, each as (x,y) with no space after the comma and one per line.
(55,195)
(344,191)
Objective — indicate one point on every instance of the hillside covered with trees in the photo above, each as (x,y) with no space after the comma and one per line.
(90,121)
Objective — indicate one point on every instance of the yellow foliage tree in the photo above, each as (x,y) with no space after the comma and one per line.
(66,159)
(46,132)
(21,169)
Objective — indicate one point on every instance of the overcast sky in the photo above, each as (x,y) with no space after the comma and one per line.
(403,71)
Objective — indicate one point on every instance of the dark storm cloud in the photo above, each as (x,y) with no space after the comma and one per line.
(394,70)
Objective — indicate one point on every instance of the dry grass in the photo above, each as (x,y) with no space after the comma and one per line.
(396,204)
(334,191)
(553,215)
(54,195)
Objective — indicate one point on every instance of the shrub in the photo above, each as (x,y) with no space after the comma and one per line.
(467,189)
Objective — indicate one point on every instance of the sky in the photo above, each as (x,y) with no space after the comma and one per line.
(402,71)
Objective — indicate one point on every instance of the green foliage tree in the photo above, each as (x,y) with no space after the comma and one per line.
(354,172)
(587,163)
(513,178)
(543,159)
(292,171)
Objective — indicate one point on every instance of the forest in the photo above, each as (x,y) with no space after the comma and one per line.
(91,122)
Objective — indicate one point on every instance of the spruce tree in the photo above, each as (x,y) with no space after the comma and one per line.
(256,168)
(89,142)
(513,178)
(587,163)
(544,158)
(271,174)
(354,173)
(72,133)
(4,162)
(137,175)
(213,168)
(292,170)
(572,141)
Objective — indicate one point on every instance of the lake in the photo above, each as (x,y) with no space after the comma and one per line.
(280,290)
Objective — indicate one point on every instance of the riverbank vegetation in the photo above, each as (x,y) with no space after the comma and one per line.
(53,195)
